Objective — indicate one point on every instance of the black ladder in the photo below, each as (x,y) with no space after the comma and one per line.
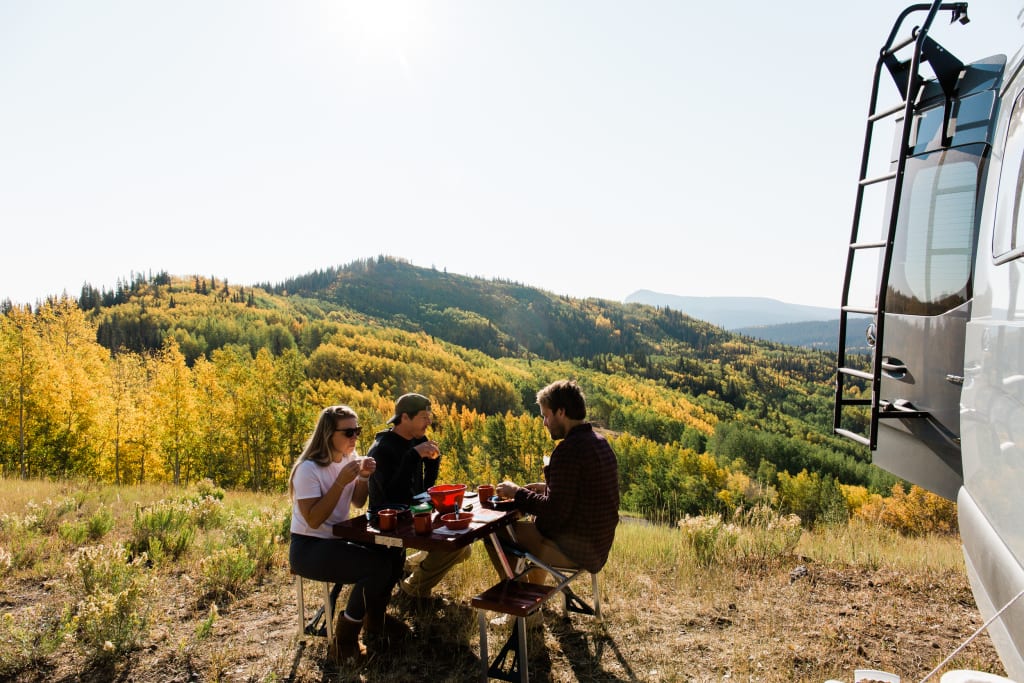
(909,81)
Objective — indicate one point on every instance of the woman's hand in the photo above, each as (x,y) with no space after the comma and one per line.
(368,467)
(350,471)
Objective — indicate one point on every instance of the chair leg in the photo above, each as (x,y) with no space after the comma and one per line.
(523,655)
(597,595)
(301,603)
(329,611)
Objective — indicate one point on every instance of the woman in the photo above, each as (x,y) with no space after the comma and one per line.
(326,480)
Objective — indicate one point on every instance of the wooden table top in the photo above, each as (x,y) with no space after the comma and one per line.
(485,522)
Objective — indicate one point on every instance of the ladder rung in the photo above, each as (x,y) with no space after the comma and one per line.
(888,112)
(903,414)
(868,245)
(899,46)
(855,309)
(878,179)
(856,401)
(857,373)
(856,437)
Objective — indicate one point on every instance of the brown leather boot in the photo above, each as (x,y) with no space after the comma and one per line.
(382,631)
(346,647)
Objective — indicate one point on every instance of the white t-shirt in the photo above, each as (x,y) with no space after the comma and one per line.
(312,481)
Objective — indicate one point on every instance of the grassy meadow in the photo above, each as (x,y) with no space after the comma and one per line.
(155,583)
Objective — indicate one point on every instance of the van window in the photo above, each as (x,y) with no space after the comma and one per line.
(1007,240)
(933,253)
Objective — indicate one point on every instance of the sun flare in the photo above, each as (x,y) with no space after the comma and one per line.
(378,27)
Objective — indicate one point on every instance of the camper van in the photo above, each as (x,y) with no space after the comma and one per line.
(941,401)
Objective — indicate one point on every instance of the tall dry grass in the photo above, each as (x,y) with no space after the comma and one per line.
(708,599)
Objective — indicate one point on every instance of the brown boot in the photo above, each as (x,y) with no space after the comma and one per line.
(382,631)
(346,647)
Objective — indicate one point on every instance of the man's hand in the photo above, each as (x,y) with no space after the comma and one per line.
(506,490)
(428,450)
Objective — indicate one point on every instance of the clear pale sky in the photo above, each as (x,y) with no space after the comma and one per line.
(589,148)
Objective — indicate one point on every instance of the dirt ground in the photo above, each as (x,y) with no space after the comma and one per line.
(794,622)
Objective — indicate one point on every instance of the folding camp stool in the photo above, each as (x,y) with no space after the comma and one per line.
(316,627)
(521,600)
(563,576)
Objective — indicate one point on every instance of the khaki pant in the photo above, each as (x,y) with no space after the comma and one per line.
(524,533)
(428,568)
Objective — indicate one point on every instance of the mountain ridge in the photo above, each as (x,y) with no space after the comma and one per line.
(734,312)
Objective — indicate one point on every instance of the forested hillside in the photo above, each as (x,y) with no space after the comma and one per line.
(182,379)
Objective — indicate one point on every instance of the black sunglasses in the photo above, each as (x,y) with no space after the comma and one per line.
(350,431)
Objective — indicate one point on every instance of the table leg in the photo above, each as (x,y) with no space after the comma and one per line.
(505,568)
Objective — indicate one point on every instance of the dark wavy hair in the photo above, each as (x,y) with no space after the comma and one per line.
(563,394)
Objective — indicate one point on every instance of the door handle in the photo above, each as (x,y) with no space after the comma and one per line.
(894,368)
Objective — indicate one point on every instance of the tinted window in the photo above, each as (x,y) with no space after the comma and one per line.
(934,250)
(1007,240)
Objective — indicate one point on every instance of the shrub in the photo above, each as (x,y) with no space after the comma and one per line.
(27,640)
(95,527)
(208,512)
(767,536)
(257,535)
(74,533)
(711,539)
(164,528)
(815,499)
(6,561)
(205,488)
(226,571)
(912,513)
(99,524)
(112,616)
(46,517)
(23,539)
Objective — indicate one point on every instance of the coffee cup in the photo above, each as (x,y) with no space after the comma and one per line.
(387,519)
(485,491)
(423,523)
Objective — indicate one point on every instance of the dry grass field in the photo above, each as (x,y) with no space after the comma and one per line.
(855,597)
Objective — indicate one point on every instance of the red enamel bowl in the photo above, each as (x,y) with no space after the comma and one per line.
(456,524)
(447,497)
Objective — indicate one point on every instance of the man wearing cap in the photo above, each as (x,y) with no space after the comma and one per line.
(407,465)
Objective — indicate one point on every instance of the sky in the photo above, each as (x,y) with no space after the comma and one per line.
(589,148)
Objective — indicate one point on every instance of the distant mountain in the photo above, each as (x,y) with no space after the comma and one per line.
(735,312)
(772,320)
(814,334)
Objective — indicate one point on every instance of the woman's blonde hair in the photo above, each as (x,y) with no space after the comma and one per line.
(318,447)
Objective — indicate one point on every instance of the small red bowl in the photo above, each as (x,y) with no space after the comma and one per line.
(447,497)
(457,524)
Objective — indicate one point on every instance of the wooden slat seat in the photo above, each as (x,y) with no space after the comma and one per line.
(518,598)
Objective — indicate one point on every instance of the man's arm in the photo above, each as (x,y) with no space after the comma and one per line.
(390,483)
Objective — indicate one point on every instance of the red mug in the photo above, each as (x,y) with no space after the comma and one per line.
(485,491)
(387,519)
(423,523)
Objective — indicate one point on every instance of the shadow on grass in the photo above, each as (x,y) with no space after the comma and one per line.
(586,649)
(443,648)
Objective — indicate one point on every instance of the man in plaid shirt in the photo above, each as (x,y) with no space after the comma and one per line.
(576,508)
